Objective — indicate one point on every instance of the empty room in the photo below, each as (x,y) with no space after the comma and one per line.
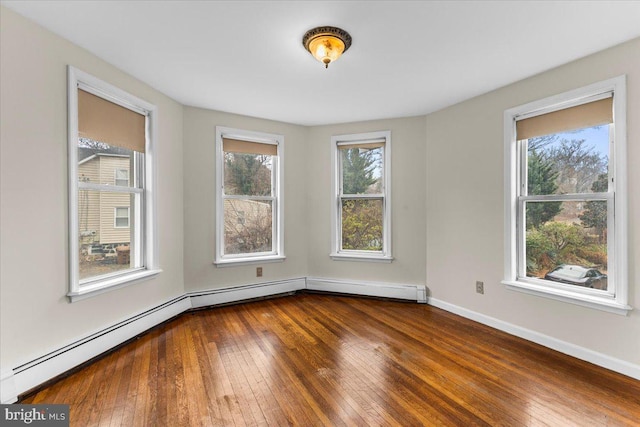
(389,213)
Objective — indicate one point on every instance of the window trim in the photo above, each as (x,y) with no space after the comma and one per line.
(337,253)
(115,217)
(277,255)
(616,301)
(77,291)
(115,176)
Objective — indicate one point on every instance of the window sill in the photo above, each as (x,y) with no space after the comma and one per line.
(102,286)
(249,261)
(361,257)
(591,301)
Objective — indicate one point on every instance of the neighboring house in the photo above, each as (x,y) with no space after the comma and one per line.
(247,226)
(103,217)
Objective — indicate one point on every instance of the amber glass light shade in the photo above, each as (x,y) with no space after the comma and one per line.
(326,44)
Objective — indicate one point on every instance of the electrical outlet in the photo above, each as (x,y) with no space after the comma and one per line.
(258,271)
(480,287)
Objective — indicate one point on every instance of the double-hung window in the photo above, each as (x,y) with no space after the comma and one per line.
(565,197)
(361,186)
(249,220)
(111,207)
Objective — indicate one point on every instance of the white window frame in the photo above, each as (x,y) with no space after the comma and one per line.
(337,253)
(615,298)
(277,199)
(115,217)
(115,176)
(146,233)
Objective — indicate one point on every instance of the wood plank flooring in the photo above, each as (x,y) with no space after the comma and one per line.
(311,360)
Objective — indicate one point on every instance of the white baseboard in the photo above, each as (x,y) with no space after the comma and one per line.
(608,362)
(16,381)
(35,372)
(374,289)
(245,292)
(7,387)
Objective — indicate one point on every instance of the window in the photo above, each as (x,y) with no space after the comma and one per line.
(248,196)
(362,208)
(565,198)
(121,217)
(111,206)
(122,177)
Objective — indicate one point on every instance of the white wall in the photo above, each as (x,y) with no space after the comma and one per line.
(407,203)
(465,214)
(36,317)
(199,201)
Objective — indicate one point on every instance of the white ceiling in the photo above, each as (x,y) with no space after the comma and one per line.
(407,58)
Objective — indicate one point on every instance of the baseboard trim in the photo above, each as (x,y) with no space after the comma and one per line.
(416,293)
(7,387)
(608,362)
(37,371)
(27,376)
(233,294)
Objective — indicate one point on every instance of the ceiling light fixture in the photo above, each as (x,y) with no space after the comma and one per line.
(326,44)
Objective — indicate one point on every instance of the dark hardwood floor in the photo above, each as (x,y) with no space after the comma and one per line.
(313,359)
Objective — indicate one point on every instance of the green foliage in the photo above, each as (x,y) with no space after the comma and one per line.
(247,174)
(541,180)
(552,244)
(595,212)
(362,225)
(358,168)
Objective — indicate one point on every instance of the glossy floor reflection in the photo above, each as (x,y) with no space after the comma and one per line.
(312,360)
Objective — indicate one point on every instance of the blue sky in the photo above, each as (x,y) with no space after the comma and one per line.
(597,137)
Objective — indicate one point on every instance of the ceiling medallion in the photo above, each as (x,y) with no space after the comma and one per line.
(326,44)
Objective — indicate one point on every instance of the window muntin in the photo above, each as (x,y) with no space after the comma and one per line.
(122,177)
(110,171)
(565,196)
(121,217)
(362,215)
(249,197)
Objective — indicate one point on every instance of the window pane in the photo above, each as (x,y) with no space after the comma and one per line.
(570,162)
(100,163)
(362,224)
(247,174)
(122,177)
(247,226)
(567,242)
(122,217)
(104,247)
(362,170)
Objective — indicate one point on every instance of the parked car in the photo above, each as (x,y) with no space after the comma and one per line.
(578,275)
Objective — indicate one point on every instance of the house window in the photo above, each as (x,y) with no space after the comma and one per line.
(121,217)
(362,208)
(110,141)
(249,196)
(122,177)
(566,197)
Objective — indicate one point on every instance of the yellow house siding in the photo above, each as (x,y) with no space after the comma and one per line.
(89,202)
(108,166)
(109,233)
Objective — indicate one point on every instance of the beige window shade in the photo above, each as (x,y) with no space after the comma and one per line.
(239,146)
(368,145)
(104,121)
(581,116)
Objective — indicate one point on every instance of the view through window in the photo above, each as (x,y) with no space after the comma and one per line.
(362,196)
(361,181)
(566,239)
(248,196)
